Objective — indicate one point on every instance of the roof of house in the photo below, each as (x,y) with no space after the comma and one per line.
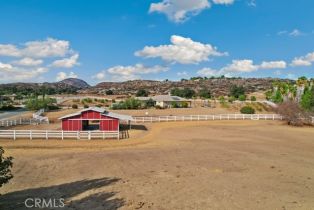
(160,98)
(102,111)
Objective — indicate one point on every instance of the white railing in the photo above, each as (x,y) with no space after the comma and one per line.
(56,134)
(208,117)
(20,121)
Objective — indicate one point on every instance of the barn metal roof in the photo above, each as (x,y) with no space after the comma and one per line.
(102,111)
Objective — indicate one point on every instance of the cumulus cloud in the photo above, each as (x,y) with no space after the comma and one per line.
(306,60)
(13,73)
(62,75)
(273,65)
(9,50)
(67,62)
(242,66)
(123,73)
(179,10)
(182,50)
(28,62)
(33,58)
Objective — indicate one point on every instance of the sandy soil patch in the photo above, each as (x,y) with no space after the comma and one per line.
(188,165)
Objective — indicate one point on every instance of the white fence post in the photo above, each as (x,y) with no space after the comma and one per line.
(14,135)
(46,135)
(89,135)
(62,135)
(30,135)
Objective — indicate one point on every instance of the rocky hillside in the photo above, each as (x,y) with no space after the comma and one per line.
(218,86)
(65,86)
(76,83)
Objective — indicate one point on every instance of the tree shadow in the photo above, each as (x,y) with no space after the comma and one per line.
(79,195)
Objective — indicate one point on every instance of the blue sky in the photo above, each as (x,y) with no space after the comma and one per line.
(118,40)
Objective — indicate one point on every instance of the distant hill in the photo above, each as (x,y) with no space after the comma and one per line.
(218,86)
(70,85)
(77,83)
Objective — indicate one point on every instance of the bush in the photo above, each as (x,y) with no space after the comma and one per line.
(247,110)
(142,93)
(185,93)
(253,98)
(74,106)
(291,112)
(109,92)
(231,99)
(237,91)
(86,106)
(185,105)
(99,105)
(242,97)
(5,168)
(174,105)
(36,104)
(130,103)
(204,93)
(150,103)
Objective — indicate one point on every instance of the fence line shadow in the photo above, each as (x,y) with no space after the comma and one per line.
(98,200)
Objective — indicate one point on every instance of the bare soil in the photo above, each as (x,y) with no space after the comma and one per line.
(187,165)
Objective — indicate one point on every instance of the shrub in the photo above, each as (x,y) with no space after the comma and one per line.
(231,99)
(98,105)
(247,110)
(109,92)
(86,106)
(142,93)
(185,93)
(174,105)
(237,91)
(185,105)
(5,168)
(204,93)
(253,98)
(150,103)
(242,97)
(291,112)
(74,106)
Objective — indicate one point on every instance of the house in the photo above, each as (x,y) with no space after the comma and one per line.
(93,118)
(167,101)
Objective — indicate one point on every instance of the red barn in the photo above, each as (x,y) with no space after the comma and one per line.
(93,118)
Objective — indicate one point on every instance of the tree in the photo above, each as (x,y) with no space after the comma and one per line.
(253,98)
(5,168)
(204,93)
(150,103)
(291,112)
(142,93)
(185,93)
(307,100)
(236,91)
(109,92)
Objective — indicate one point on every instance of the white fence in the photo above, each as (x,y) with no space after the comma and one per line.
(208,117)
(55,134)
(20,121)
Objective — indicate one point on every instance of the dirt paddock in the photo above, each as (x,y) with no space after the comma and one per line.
(224,165)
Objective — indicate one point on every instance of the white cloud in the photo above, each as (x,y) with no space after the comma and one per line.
(66,62)
(37,49)
(100,75)
(124,73)
(306,60)
(47,48)
(273,65)
(12,73)
(223,1)
(241,66)
(9,50)
(28,62)
(293,33)
(252,3)
(183,74)
(208,72)
(179,10)
(62,75)
(182,50)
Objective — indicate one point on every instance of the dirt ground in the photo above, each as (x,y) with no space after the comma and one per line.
(188,165)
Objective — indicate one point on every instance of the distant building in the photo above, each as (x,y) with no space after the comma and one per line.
(167,101)
(93,118)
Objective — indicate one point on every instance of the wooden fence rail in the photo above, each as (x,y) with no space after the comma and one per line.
(58,134)
(208,117)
